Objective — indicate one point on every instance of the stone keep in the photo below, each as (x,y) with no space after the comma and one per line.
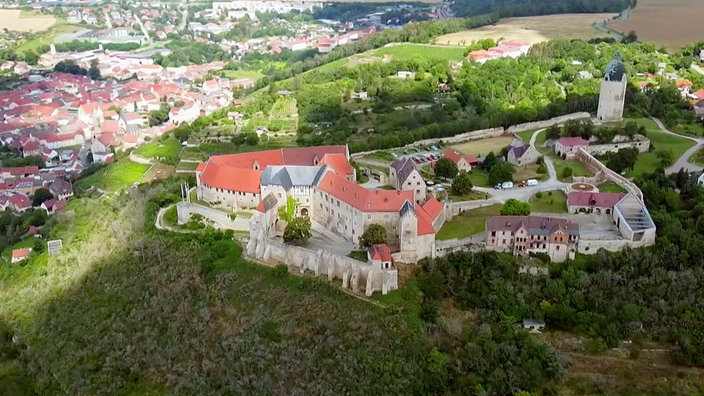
(613,91)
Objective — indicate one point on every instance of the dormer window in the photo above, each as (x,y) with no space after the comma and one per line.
(315,160)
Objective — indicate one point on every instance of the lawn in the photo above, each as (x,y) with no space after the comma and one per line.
(526,135)
(411,51)
(165,149)
(381,155)
(578,168)
(235,74)
(649,162)
(479,178)
(610,187)
(472,196)
(467,223)
(115,176)
(482,147)
(549,202)
(530,171)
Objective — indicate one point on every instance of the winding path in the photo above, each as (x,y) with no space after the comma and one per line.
(683,161)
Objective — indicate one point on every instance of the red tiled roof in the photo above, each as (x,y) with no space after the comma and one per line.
(572,141)
(425,223)
(200,167)
(597,199)
(337,162)
(380,252)
(699,93)
(433,207)
(222,176)
(456,157)
(361,198)
(20,253)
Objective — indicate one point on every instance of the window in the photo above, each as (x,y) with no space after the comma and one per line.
(493,233)
(369,217)
(279,195)
(503,241)
(557,247)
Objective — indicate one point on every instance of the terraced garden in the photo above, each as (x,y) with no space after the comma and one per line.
(114,177)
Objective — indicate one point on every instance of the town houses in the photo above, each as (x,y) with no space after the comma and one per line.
(322,181)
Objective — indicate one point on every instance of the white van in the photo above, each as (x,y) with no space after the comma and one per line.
(507,184)
(531,182)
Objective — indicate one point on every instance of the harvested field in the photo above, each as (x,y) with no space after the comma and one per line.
(534,29)
(671,23)
(12,20)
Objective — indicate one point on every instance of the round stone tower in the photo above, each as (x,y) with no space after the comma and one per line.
(613,91)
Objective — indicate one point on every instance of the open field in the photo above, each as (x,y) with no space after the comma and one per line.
(167,148)
(468,223)
(14,20)
(115,176)
(529,171)
(535,29)
(409,51)
(671,23)
(46,38)
(649,162)
(482,147)
(549,202)
(235,74)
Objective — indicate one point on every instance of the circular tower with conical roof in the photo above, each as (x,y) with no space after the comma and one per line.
(613,91)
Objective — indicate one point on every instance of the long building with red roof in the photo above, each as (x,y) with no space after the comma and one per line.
(323,183)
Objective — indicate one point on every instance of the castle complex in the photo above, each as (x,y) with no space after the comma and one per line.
(322,182)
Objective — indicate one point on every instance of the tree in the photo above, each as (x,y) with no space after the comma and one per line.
(665,158)
(623,160)
(631,37)
(374,234)
(41,195)
(93,71)
(514,207)
(462,184)
(287,211)
(297,231)
(566,172)
(489,161)
(501,172)
(444,167)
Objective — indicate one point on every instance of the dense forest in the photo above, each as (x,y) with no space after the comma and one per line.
(516,8)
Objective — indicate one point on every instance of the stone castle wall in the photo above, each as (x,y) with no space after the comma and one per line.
(596,167)
(547,123)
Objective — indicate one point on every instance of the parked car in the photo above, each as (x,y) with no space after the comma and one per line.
(433,148)
(394,155)
(440,188)
(417,150)
(507,185)
(522,184)
(498,187)
(405,152)
(531,182)
(430,182)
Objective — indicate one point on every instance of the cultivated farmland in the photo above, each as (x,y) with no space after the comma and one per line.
(12,20)
(534,29)
(671,23)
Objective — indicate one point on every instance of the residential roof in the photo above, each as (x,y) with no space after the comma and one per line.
(381,252)
(597,199)
(572,141)
(518,151)
(455,157)
(361,198)
(20,253)
(535,225)
(60,187)
(404,167)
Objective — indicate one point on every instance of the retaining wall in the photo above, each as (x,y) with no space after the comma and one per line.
(547,123)
(443,248)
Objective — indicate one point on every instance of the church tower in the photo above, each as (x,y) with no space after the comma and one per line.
(613,91)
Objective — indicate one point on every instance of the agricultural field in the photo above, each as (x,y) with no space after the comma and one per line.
(468,223)
(161,148)
(534,29)
(45,38)
(23,22)
(482,147)
(114,177)
(410,51)
(671,23)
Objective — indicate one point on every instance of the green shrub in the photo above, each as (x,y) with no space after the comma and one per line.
(269,330)
(281,271)
(539,195)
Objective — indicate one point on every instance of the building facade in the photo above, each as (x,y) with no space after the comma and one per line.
(521,235)
(404,175)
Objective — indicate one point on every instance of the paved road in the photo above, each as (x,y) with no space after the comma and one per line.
(683,161)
